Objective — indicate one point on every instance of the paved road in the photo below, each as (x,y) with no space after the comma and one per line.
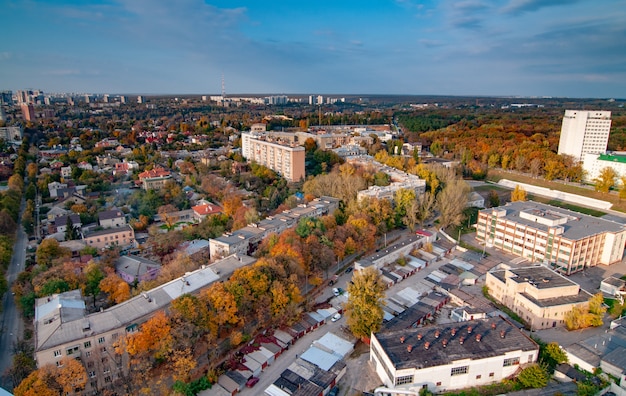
(272,373)
(12,325)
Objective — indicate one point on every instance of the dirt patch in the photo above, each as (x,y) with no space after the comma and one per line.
(360,374)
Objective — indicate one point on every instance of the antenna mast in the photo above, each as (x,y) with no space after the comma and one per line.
(223,87)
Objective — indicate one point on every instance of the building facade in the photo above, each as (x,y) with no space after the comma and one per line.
(537,294)
(566,240)
(594,163)
(584,132)
(63,328)
(121,236)
(286,160)
(451,356)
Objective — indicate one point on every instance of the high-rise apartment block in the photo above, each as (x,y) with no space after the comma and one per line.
(584,132)
(286,159)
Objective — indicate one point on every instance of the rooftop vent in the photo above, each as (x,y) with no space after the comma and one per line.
(493,325)
(453,332)
(409,348)
(427,345)
(478,337)
(437,334)
(502,333)
(402,340)
(469,329)
(419,336)
(444,342)
(461,340)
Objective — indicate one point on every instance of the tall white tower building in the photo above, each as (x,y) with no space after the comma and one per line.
(584,132)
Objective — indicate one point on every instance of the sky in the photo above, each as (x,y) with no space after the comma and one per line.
(559,48)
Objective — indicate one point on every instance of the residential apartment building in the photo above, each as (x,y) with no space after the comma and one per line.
(11,134)
(451,356)
(537,294)
(123,236)
(63,328)
(566,240)
(246,239)
(584,132)
(154,179)
(136,268)
(286,160)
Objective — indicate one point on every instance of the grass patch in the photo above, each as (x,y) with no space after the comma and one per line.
(566,205)
(499,388)
(490,187)
(620,205)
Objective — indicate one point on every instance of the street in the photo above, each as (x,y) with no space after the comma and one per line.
(12,325)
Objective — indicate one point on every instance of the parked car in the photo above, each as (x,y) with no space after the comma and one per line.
(335,291)
(335,317)
(349,269)
(252,381)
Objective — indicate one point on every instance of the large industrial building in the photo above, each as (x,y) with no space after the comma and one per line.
(451,356)
(566,240)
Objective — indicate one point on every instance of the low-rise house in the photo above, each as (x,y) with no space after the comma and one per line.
(451,356)
(60,223)
(154,179)
(540,296)
(121,236)
(54,187)
(200,212)
(136,269)
(112,218)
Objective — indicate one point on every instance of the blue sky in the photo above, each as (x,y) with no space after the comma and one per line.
(468,47)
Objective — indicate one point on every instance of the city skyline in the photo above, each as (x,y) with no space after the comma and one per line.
(561,48)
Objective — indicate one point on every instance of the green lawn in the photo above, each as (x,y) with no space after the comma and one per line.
(567,205)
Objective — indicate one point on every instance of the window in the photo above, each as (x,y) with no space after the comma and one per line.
(478,376)
(92,374)
(103,349)
(88,354)
(104,359)
(89,364)
(114,336)
(438,383)
(107,379)
(87,344)
(406,379)
(490,374)
(93,384)
(510,362)
(531,357)
(100,340)
(57,353)
(459,370)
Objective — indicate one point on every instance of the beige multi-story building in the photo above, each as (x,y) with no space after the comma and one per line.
(287,160)
(537,294)
(63,327)
(566,240)
(584,132)
(123,236)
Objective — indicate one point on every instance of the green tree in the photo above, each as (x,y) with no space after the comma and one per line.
(552,355)
(71,232)
(365,303)
(93,276)
(49,250)
(533,376)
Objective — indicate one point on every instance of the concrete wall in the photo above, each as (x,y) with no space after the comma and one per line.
(563,196)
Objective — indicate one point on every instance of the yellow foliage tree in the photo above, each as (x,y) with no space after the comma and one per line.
(116,287)
(518,194)
(154,337)
(71,375)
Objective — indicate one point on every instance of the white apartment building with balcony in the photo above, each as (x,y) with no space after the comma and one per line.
(286,160)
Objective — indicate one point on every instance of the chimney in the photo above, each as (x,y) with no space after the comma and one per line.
(402,340)
(444,342)
(502,333)
(493,325)
(469,329)
(409,348)
(437,334)
(478,337)
(453,332)
(419,336)
(427,345)
(461,340)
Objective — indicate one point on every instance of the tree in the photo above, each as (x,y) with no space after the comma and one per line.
(494,199)
(39,383)
(50,250)
(71,233)
(154,337)
(622,187)
(116,287)
(93,277)
(518,194)
(451,202)
(605,180)
(581,317)
(533,376)
(553,355)
(71,375)
(364,308)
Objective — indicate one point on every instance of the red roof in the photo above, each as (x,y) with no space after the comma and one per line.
(156,172)
(205,210)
